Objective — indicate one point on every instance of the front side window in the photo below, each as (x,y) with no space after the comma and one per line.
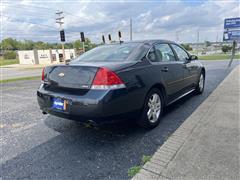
(152,55)
(164,52)
(182,55)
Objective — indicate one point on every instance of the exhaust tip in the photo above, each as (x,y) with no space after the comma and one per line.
(43,112)
(90,124)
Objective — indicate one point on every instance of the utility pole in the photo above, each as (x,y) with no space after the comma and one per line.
(130,29)
(60,21)
(233,52)
(197,42)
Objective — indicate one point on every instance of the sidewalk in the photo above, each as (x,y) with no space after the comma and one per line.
(206,145)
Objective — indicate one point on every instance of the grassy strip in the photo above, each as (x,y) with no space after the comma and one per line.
(218,57)
(20,79)
(135,169)
(4,62)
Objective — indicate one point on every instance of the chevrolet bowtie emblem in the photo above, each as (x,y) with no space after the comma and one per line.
(61,74)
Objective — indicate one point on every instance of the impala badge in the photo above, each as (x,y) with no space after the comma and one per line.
(61,74)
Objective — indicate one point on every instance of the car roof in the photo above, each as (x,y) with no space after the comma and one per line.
(149,41)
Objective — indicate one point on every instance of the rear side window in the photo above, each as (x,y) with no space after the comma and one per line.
(182,54)
(164,52)
(108,53)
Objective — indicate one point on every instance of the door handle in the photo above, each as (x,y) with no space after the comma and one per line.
(164,69)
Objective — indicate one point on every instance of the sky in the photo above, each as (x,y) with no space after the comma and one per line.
(177,20)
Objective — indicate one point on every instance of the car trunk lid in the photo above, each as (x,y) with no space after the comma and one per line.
(80,76)
(74,77)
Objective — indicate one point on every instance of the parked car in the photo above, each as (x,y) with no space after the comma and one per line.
(133,79)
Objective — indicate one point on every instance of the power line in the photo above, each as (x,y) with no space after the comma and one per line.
(30,5)
(21,21)
(47,8)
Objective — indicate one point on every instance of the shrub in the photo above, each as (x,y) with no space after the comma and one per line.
(226,48)
(10,55)
(187,47)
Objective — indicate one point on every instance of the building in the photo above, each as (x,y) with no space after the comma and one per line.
(52,56)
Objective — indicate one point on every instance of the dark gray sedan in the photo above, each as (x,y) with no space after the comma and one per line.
(133,80)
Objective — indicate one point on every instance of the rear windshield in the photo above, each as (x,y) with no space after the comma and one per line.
(108,53)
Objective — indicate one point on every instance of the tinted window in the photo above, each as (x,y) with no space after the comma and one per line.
(107,53)
(182,55)
(152,55)
(164,52)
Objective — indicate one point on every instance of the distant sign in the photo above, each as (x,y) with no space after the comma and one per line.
(43,56)
(26,56)
(231,23)
(231,29)
(231,35)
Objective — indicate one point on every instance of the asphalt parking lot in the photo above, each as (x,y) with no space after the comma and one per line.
(36,146)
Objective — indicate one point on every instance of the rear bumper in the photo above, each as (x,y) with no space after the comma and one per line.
(97,105)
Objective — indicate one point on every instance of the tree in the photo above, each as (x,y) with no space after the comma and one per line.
(26,45)
(187,47)
(89,45)
(68,45)
(41,45)
(207,43)
(9,44)
(10,55)
(226,48)
(77,44)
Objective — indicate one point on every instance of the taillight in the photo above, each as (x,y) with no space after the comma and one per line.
(106,79)
(43,73)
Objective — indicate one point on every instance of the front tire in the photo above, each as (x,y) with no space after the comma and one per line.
(152,109)
(201,84)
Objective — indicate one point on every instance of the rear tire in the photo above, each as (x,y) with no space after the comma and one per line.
(201,84)
(152,109)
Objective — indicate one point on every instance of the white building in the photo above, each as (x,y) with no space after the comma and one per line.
(51,56)
(27,57)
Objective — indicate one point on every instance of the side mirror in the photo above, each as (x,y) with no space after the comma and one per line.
(193,57)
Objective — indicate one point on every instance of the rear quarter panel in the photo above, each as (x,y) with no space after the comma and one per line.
(139,79)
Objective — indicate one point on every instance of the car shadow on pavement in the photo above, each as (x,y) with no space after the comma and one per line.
(81,152)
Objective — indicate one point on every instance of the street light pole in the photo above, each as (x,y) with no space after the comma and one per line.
(130,29)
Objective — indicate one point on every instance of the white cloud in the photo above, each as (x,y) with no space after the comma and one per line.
(150,19)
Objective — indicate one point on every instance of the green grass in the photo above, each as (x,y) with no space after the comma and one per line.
(145,159)
(4,62)
(135,169)
(20,79)
(218,57)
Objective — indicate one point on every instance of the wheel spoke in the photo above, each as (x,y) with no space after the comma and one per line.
(149,114)
(149,104)
(158,106)
(155,98)
(155,115)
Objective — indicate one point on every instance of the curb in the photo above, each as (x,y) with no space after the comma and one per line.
(156,168)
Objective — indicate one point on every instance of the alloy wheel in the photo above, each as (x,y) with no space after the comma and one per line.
(154,105)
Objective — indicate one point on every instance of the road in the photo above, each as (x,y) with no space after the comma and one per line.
(36,146)
(12,72)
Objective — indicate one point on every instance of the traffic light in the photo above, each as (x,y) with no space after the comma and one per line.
(109,37)
(62,36)
(119,34)
(82,37)
(103,39)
